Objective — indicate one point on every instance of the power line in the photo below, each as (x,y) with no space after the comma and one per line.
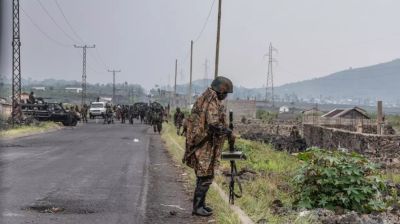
(96,58)
(54,21)
(101,58)
(68,23)
(79,37)
(187,55)
(205,23)
(42,31)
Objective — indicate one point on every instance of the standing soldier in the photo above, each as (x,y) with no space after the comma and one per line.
(124,113)
(84,111)
(31,98)
(185,125)
(157,117)
(76,108)
(207,131)
(108,117)
(178,120)
(131,114)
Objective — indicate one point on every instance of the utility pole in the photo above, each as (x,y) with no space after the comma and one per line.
(16,62)
(206,74)
(113,71)
(84,48)
(176,75)
(218,38)
(269,91)
(191,73)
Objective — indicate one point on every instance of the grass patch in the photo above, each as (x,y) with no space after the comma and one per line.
(24,129)
(394,120)
(391,175)
(274,172)
(174,143)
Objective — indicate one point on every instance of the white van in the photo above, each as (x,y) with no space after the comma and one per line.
(97,109)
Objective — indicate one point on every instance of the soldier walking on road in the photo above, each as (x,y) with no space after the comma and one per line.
(84,111)
(123,113)
(206,133)
(178,120)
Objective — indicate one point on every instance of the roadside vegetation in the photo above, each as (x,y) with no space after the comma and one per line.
(21,130)
(277,186)
(266,116)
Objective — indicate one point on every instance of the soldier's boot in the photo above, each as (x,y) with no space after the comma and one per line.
(203,204)
(206,185)
(202,186)
(198,210)
(159,128)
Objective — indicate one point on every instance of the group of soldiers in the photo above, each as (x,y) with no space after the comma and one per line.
(205,130)
(153,114)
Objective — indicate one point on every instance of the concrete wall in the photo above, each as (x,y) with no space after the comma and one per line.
(381,148)
(5,110)
(242,108)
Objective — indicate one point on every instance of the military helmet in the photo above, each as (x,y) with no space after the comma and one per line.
(222,85)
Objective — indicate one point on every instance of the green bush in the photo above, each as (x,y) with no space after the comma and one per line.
(266,116)
(334,179)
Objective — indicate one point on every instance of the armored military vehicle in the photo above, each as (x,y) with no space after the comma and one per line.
(43,111)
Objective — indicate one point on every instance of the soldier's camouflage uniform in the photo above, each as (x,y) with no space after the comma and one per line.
(207,147)
(178,120)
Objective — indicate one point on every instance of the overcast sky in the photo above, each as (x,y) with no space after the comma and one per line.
(142,38)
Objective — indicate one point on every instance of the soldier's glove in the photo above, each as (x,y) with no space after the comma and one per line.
(220,130)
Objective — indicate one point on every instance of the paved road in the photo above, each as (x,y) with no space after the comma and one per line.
(93,173)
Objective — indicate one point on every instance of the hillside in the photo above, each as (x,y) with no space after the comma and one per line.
(359,84)
(374,82)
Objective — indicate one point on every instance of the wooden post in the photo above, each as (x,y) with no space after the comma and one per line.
(191,73)
(218,39)
(379,118)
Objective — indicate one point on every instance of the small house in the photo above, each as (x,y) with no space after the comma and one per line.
(284,109)
(352,113)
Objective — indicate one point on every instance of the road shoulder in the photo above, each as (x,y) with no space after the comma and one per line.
(29,131)
(167,199)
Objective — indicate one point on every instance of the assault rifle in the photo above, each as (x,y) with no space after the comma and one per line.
(232,156)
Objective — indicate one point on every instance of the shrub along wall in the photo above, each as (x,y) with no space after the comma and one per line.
(380,148)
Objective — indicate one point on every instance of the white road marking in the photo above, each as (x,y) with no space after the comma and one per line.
(174,206)
(11,214)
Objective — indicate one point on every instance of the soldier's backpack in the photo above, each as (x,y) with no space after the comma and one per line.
(197,133)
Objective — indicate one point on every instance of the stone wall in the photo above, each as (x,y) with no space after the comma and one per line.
(367,129)
(380,148)
(272,129)
(280,135)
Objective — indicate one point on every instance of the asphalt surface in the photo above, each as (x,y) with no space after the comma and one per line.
(93,173)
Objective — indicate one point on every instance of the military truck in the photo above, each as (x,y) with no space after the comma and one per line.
(43,111)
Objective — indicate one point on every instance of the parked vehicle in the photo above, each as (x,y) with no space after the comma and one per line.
(97,109)
(44,111)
